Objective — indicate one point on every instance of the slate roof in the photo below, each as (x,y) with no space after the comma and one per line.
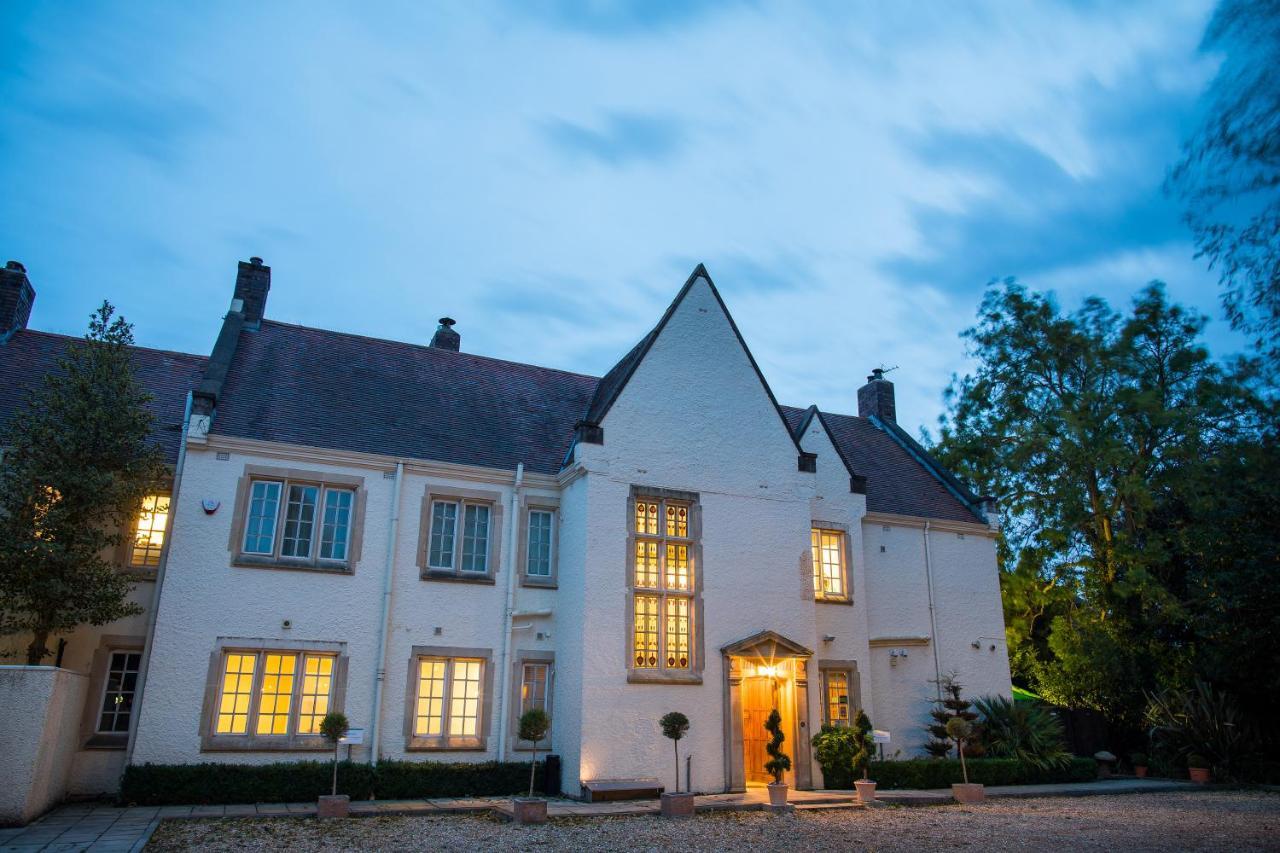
(28,355)
(896,482)
(313,387)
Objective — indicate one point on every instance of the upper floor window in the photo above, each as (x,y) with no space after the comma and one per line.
(149,532)
(829,577)
(460,533)
(663,579)
(298,519)
(538,555)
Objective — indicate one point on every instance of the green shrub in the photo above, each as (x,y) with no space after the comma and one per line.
(942,773)
(833,747)
(304,781)
(1021,730)
(1205,722)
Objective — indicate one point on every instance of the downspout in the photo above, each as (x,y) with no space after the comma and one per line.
(933,619)
(155,595)
(380,669)
(508,613)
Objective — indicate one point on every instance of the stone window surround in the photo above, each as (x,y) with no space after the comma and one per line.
(291,476)
(846,564)
(445,742)
(529,503)
(249,742)
(697,651)
(435,492)
(89,736)
(850,669)
(523,656)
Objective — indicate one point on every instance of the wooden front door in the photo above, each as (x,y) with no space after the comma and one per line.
(758,699)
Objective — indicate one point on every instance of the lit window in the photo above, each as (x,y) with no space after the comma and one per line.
(533,686)
(538,555)
(275,698)
(312,521)
(148,532)
(838,698)
(828,563)
(664,582)
(450,697)
(237,690)
(265,686)
(117,693)
(317,685)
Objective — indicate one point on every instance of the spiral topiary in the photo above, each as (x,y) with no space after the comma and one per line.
(779,762)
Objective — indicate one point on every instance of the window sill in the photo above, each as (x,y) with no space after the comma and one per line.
(457,577)
(845,601)
(639,676)
(107,741)
(539,582)
(457,744)
(250,744)
(248,561)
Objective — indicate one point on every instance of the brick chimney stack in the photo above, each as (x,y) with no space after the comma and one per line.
(16,298)
(445,337)
(876,398)
(253,282)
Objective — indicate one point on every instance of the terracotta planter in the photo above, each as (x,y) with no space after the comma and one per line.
(1199,775)
(529,810)
(677,806)
(333,806)
(777,794)
(866,790)
(970,792)
(1140,770)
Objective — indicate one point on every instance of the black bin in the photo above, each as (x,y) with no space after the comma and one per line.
(551,776)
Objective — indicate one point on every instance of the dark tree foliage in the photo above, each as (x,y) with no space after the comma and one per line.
(1139,483)
(77,466)
(1229,176)
(950,706)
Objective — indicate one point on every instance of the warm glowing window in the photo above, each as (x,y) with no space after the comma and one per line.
(117,693)
(828,563)
(148,531)
(538,556)
(459,536)
(533,686)
(450,697)
(838,698)
(664,583)
(298,521)
(284,693)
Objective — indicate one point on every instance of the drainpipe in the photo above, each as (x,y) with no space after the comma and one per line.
(380,670)
(508,613)
(155,595)
(933,619)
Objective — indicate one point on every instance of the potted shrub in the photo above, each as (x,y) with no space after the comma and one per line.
(779,762)
(864,746)
(533,727)
(334,727)
(676,804)
(960,730)
(1139,762)
(1198,768)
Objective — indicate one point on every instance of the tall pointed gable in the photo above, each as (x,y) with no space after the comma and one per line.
(615,381)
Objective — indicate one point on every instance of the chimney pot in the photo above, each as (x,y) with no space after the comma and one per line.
(257,262)
(15,265)
(445,337)
(876,397)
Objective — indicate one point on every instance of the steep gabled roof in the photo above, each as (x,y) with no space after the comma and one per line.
(28,355)
(616,379)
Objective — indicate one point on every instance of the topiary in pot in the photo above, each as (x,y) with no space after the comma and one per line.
(779,762)
(1198,768)
(675,804)
(533,727)
(334,727)
(960,730)
(864,746)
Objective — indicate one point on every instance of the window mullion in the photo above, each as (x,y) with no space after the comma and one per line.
(295,698)
(282,514)
(255,694)
(447,694)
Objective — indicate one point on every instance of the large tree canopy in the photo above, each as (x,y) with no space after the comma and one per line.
(77,466)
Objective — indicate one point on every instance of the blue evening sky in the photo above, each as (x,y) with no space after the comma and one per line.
(549,172)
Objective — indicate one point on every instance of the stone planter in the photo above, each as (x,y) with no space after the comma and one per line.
(1140,770)
(333,806)
(1199,775)
(866,790)
(968,792)
(529,810)
(778,795)
(677,806)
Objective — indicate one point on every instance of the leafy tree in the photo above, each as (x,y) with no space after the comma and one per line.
(533,727)
(779,762)
(1229,176)
(674,726)
(77,467)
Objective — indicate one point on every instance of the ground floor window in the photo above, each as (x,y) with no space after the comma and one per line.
(448,700)
(117,692)
(840,698)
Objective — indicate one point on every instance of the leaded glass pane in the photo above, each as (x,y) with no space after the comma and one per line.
(838,698)
(237,687)
(336,528)
(646,564)
(444,520)
(429,715)
(475,539)
(317,686)
(299,521)
(464,698)
(828,568)
(148,532)
(646,631)
(677,566)
(538,562)
(677,633)
(117,694)
(275,697)
(260,522)
(647,517)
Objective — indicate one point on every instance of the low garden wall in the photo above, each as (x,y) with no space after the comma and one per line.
(40,709)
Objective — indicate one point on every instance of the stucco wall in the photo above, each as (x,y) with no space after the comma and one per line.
(41,709)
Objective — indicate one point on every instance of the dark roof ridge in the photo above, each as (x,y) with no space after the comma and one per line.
(156,350)
(358,336)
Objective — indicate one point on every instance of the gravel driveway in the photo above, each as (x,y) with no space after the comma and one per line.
(1217,820)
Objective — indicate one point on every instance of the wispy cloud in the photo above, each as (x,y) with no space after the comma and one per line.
(621,139)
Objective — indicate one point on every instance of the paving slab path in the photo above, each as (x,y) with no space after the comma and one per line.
(106,828)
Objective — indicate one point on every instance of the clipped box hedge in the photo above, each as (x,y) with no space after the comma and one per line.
(304,781)
(924,773)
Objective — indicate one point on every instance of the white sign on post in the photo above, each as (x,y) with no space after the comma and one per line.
(880,736)
(353,736)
